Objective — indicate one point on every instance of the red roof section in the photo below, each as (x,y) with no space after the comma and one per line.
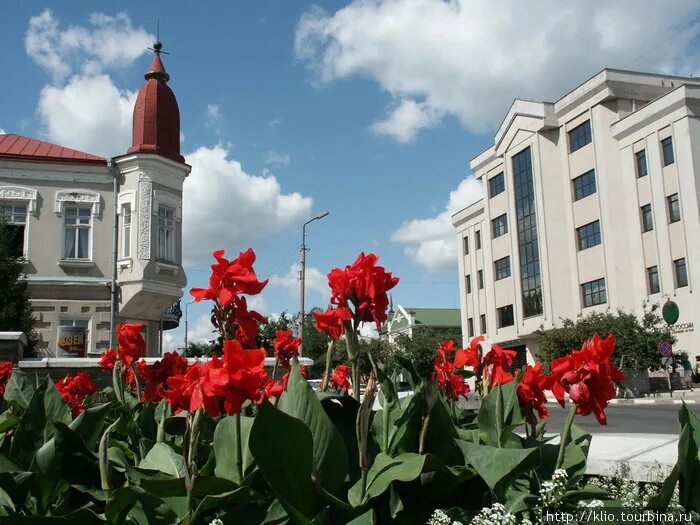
(19,147)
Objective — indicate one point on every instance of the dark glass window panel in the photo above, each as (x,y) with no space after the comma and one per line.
(594,293)
(681,273)
(580,136)
(642,163)
(482,323)
(499,225)
(505,316)
(502,268)
(526,220)
(470,327)
(497,185)
(584,185)
(647,218)
(653,279)
(466,245)
(469,283)
(478,240)
(480,279)
(588,235)
(674,208)
(667,151)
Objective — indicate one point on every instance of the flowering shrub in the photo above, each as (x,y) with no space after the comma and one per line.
(223,441)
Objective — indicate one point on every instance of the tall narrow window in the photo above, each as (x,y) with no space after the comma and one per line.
(499,225)
(594,293)
(502,268)
(482,323)
(526,221)
(470,327)
(468,283)
(580,136)
(497,185)
(674,208)
(667,151)
(76,225)
(681,273)
(588,235)
(15,217)
(166,234)
(126,231)
(647,219)
(505,316)
(480,279)
(465,242)
(641,163)
(584,185)
(478,240)
(653,279)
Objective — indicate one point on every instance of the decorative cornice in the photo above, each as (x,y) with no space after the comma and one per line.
(78,196)
(143,220)
(19,193)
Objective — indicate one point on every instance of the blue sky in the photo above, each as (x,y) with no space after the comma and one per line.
(369,109)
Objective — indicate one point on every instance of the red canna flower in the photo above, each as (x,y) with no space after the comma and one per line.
(531,393)
(108,359)
(131,344)
(5,375)
(364,285)
(73,390)
(469,356)
(588,376)
(340,379)
(155,376)
(275,388)
(332,321)
(494,365)
(286,346)
(450,383)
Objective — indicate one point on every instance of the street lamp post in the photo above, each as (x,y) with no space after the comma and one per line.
(187,305)
(302,278)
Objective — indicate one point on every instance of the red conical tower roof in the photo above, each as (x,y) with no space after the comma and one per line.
(156,127)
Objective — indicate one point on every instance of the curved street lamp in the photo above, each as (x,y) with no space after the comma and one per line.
(302,278)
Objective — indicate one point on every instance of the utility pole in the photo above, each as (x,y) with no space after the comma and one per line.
(302,278)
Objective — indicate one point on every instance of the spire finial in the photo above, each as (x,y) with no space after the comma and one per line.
(157,45)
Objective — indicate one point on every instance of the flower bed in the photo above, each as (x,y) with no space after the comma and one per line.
(225,441)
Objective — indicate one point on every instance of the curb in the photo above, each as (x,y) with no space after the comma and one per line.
(641,401)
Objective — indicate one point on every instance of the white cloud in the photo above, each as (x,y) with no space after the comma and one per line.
(315,281)
(406,120)
(171,343)
(225,207)
(202,331)
(257,303)
(431,242)
(214,116)
(2,131)
(89,113)
(274,122)
(470,58)
(279,159)
(108,42)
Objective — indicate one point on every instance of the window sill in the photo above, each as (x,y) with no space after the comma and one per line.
(76,263)
(167,267)
(125,264)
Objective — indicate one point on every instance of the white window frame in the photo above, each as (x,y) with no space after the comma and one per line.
(11,222)
(126,213)
(169,255)
(21,195)
(77,227)
(169,201)
(81,199)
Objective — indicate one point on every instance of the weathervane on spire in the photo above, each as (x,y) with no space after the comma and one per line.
(157,46)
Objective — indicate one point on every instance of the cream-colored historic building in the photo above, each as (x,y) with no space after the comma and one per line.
(591,202)
(69,210)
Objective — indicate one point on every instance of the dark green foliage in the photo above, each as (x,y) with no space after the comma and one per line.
(420,348)
(635,340)
(201,349)
(15,307)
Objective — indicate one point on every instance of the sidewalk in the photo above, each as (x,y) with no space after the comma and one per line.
(690,397)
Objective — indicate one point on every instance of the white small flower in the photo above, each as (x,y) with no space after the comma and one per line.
(216,521)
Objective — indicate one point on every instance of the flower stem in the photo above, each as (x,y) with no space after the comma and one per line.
(239,447)
(423,434)
(329,359)
(364,484)
(565,435)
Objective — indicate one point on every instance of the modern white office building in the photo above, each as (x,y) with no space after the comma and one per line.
(82,222)
(591,203)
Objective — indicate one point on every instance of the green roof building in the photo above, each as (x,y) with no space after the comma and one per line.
(404,320)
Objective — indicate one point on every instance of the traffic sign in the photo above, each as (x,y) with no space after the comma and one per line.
(665,349)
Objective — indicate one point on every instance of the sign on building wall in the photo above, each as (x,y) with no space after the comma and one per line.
(72,341)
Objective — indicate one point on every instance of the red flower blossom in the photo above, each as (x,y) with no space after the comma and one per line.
(364,285)
(494,365)
(450,383)
(469,356)
(5,374)
(286,346)
(131,344)
(531,393)
(155,376)
(73,390)
(332,321)
(588,376)
(222,384)
(108,359)
(275,388)
(340,379)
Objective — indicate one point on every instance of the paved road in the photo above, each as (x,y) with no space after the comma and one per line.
(635,419)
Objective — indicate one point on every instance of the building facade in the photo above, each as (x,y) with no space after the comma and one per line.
(591,203)
(405,320)
(69,210)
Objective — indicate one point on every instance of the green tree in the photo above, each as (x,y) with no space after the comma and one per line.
(636,340)
(268,331)
(15,306)
(420,347)
(202,349)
